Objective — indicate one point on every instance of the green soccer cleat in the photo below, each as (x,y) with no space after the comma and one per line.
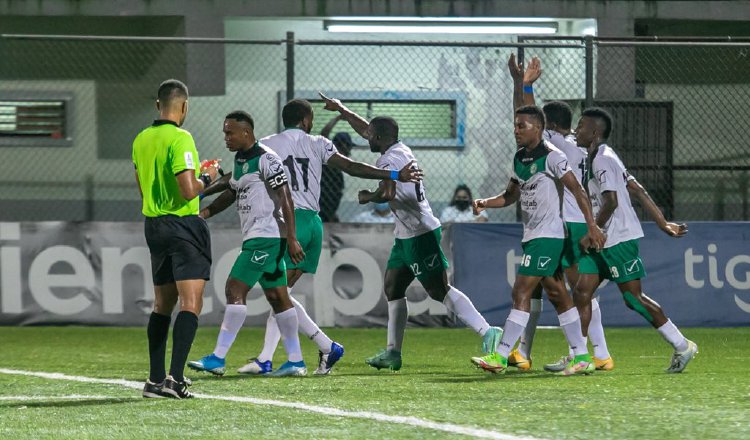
(493,362)
(581,364)
(491,339)
(681,359)
(390,359)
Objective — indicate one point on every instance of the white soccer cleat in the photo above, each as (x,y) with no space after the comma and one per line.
(256,367)
(681,359)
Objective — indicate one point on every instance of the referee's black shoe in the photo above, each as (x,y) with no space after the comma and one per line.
(175,389)
(153,390)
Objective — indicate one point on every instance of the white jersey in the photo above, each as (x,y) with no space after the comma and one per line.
(538,172)
(577,161)
(609,174)
(410,206)
(303,156)
(256,176)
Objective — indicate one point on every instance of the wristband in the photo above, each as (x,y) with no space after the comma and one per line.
(206,179)
(528,89)
(394,175)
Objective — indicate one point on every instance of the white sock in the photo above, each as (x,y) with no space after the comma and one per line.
(234,317)
(527,338)
(461,306)
(398,313)
(596,331)
(270,339)
(310,329)
(514,326)
(672,334)
(570,322)
(289,328)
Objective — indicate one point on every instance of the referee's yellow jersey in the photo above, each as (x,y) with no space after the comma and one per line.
(159,153)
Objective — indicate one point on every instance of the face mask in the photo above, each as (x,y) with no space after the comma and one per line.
(463,205)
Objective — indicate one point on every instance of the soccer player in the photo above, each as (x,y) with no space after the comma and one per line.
(303,157)
(416,251)
(558,132)
(170,181)
(259,187)
(538,170)
(619,261)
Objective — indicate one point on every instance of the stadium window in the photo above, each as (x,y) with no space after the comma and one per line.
(425,119)
(36,119)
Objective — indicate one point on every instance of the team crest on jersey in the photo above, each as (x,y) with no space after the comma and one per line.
(245,167)
(275,167)
(532,168)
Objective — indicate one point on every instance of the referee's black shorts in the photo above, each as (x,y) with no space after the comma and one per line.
(180,248)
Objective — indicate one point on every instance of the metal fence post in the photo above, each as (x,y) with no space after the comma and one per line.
(289,66)
(589,58)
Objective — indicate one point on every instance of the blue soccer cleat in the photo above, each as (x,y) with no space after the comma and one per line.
(254,366)
(211,363)
(326,361)
(290,368)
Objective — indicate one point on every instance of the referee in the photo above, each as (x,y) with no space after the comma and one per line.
(170,180)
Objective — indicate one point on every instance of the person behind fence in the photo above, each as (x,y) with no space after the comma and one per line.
(170,180)
(416,251)
(332,180)
(259,188)
(620,260)
(539,170)
(303,156)
(380,213)
(459,210)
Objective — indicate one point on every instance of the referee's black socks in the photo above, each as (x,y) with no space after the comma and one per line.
(157,330)
(183,334)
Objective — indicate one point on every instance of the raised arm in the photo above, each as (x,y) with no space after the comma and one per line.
(636,190)
(508,197)
(532,73)
(409,173)
(190,186)
(326,131)
(358,123)
(516,73)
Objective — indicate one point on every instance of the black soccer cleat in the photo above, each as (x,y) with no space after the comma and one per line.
(175,389)
(153,390)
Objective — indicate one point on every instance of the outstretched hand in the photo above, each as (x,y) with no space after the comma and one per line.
(533,71)
(331,104)
(675,230)
(516,70)
(410,173)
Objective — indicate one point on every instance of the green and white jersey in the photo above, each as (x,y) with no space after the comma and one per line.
(577,161)
(608,173)
(412,212)
(538,173)
(303,156)
(257,174)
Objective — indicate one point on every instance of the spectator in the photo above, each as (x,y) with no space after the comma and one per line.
(380,213)
(459,210)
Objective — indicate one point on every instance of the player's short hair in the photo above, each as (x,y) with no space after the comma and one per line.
(295,111)
(385,127)
(533,111)
(171,89)
(558,113)
(241,116)
(602,116)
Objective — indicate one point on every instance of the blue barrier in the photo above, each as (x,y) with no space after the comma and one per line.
(702,279)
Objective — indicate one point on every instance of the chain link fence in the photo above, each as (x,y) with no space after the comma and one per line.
(71,106)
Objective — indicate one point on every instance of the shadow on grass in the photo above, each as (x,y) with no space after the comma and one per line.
(61,403)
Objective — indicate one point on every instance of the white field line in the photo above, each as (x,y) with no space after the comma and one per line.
(46,398)
(328,411)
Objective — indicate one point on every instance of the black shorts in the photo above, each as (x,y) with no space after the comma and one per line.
(180,248)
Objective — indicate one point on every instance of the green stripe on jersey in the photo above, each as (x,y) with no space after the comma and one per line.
(524,172)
